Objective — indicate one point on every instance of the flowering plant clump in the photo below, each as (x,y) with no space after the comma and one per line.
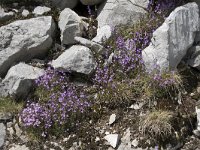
(59,106)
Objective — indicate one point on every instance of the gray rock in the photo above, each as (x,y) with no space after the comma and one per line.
(62,4)
(70,25)
(126,141)
(91,2)
(90,44)
(25,39)
(171,41)
(120,12)
(40,10)
(19,80)
(2,134)
(194,57)
(113,139)
(25,13)
(76,59)
(103,34)
(5,16)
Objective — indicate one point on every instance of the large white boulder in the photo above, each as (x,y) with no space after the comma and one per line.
(25,39)
(71,25)
(76,59)
(171,41)
(19,80)
(91,2)
(121,12)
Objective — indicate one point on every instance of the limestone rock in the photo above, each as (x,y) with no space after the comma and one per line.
(113,139)
(70,25)
(76,59)
(5,16)
(25,13)
(19,80)
(171,41)
(91,2)
(120,12)
(40,10)
(25,39)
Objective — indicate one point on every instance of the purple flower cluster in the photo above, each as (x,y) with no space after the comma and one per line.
(64,101)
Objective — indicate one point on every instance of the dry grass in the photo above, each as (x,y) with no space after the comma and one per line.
(157,125)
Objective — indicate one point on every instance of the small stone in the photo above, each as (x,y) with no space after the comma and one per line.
(97,139)
(135,143)
(11,131)
(192,94)
(113,139)
(38,11)
(25,13)
(107,132)
(198,90)
(18,131)
(112,119)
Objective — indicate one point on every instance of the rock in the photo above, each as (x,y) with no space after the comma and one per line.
(2,134)
(17,129)
(19,147)
(194,57)
(76,59)
(5,117)
(125,141)
(91,2)
(135,143)
(40,10)
(198,116)
(103,34)
(5,16)
(171,41)
(25,39)
(196,132)
(120,12)
(112,119)
(90,44)
(137,106)
(62,4)
(25,13)
(70,25)
(19,80)
(113,139)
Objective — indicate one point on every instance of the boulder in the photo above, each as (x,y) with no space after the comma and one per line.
(62,4)
(91,2)
(19,80)
(5,16)
(38,11)
(103,34)
(193,57)
(171,41)
(25,39)
(121,12)
(2,134)
(70,25)
(76,59)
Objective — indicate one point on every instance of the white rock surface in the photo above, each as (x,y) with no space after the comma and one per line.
(171,41)
(91,2)
(120,12)
(25,13)
(103,34)
(76,59)
(19,80)
(25,39)
(71,25)
(113,139)
(40,10)
(112,119)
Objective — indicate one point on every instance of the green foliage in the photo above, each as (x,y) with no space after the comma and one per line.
(7,104)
